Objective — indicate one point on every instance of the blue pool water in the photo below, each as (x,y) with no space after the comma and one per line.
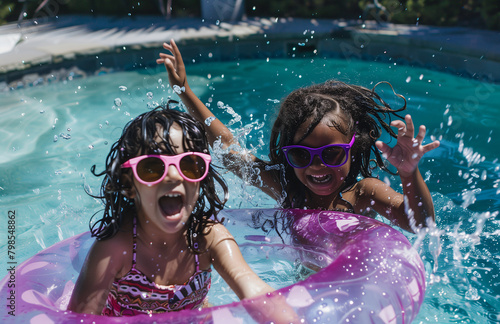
(52,135)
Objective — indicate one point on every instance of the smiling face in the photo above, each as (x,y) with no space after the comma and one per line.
(166,207)
(322,181)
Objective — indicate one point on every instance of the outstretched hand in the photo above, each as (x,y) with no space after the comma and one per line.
(408,150)
(174,65)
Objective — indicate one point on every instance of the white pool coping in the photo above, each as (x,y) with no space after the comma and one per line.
(32,49)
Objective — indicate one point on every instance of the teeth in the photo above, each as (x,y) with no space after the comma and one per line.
(172,195)
(321,178)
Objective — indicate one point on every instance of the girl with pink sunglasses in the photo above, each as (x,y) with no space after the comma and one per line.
(159,234)
(323,139)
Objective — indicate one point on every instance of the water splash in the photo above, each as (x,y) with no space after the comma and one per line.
(229,110)
(209,120)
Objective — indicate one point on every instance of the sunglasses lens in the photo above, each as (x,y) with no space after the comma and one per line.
(150,169)
(333,155)
(298,157)
(193,167)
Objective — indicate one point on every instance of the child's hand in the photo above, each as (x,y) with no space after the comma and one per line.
(175,66)
(408,150)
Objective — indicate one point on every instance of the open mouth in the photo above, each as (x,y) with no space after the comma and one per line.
(171,204)
(320,179)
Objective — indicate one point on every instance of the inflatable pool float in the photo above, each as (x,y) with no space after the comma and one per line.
(368,272)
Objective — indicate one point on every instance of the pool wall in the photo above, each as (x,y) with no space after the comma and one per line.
(75,46)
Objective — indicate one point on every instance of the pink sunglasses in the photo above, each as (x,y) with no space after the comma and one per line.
(152,169)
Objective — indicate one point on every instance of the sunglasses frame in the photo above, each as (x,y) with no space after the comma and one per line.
(167,161)
(319,151)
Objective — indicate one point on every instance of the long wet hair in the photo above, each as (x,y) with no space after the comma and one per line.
(141,136)
(358,110)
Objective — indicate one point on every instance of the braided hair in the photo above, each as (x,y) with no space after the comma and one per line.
(358,110)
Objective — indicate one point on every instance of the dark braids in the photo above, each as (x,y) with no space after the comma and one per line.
(359,110)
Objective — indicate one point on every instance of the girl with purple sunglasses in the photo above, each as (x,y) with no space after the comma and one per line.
(324,137)
(159,234)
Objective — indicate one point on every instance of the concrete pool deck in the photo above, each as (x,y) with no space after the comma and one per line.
(32,51)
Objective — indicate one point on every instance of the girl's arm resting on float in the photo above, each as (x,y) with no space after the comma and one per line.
(230,264)
(217,130)
(96,276)
(232,267)
(405,157)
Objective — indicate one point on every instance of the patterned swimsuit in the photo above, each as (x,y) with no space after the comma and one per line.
(135,294)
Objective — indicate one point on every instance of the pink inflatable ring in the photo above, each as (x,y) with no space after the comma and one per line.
(368,273)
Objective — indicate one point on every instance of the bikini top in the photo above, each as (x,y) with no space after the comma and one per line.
(135,293)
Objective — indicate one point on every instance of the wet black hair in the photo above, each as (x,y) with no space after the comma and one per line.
(139,137)
(359,110)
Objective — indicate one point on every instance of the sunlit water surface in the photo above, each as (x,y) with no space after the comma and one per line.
(52,135)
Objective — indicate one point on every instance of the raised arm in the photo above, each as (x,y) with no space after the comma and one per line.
(405,157)
(178,81)
(233,161)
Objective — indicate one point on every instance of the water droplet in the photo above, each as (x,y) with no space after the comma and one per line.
(55,138)
(149,95)
(472,294)
(408,79)
(122,88)
(209,120)
(118,102)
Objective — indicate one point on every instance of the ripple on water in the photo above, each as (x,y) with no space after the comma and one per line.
(21,127)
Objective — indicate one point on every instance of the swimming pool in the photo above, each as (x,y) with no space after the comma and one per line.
(53,134)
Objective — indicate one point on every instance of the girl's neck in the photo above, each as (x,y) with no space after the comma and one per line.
(328,202)
(158,239)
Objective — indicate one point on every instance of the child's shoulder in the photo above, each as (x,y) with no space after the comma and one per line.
(370,183)
(365,188)
(216,233)
(117,248)
(121,238)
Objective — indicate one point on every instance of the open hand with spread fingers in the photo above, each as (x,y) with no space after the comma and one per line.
(175,67)
(409,149)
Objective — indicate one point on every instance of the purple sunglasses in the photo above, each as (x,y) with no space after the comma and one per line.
(333,155)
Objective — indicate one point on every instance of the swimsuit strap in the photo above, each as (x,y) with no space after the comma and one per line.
(348,203)
(197,263)
(134,246)
(134,249)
